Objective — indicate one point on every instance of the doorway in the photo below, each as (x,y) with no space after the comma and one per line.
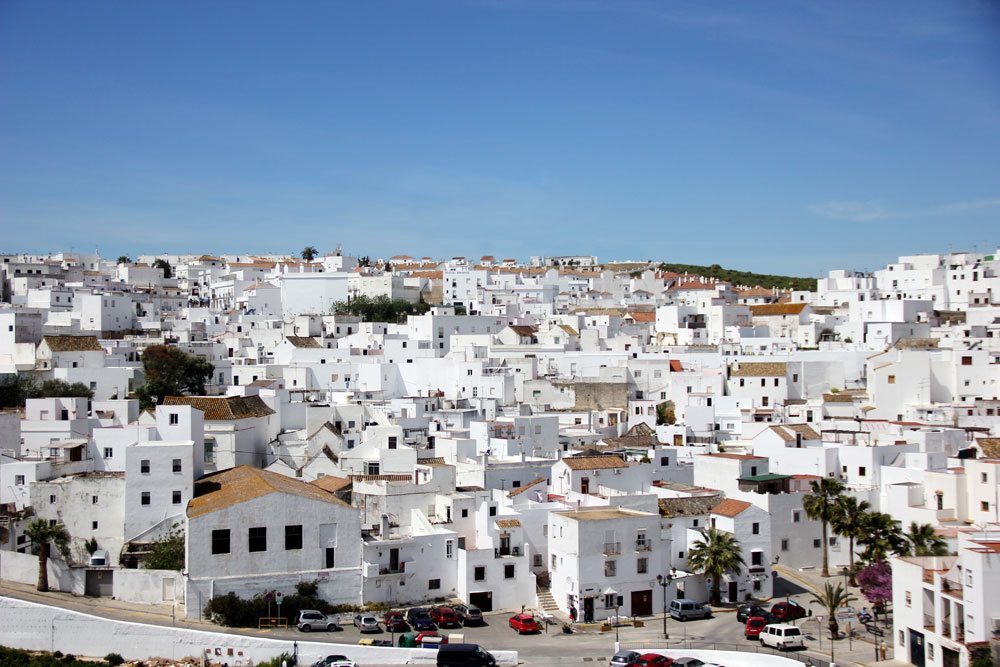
(642,603)
(483,600)
(916,648)
(588,610)
(949,657)
(734,592)
(99,583)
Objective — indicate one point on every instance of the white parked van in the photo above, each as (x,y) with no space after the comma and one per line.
(781,636)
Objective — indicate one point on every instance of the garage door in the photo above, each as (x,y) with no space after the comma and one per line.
(100,583)
(482,600)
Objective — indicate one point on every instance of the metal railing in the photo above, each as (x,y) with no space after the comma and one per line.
(722,646)
(611,548)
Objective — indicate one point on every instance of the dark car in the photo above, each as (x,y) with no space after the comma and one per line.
(395,621)
(420,619)
(445,617)
(624,658)
(788,611)
(750,610)
(468,614)
(524,623)
(653,660)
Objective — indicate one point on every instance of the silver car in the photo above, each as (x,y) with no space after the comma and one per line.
(310,619)
(366,623)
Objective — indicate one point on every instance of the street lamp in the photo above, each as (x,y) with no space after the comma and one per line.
(664,582)
(614,594)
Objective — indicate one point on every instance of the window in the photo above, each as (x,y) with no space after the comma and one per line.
(257,539)
(892,379)
(19,480)
(449,548)
(176,465)
(902,637)
(329,557)
(392,442)
(52,499)
(93,525)
(909,599)
(795,377)
(984,477)
(967,361)
(508,571)
(756,528)
(536,560)
(433,584)
(985,506)
(145,499)
(641,565)
(784,544)
(694,523)
(220,541)
(610,568)
(756,558)
(465,513)
(742,381)
(764,400)
(175,418)
(144,466)
(480,573)
(493,510)
(930,651)
(372,468)
(293,537)
(210,451)
(109,452)
(817,544)
(176,497)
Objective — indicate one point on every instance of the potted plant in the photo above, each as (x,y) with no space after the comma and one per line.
(567,628)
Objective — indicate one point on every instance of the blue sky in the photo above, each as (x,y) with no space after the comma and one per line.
(786,137)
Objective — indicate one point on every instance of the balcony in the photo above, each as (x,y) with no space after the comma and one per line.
(641,545)
(951,588)
(612,548)
(928,622)
(512,552)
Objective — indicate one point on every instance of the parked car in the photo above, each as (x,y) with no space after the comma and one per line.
(464,655)
(430,638)
(366,623)
(335,661)
(692,662)
(420,619)
(754,626)
(683,610)
(524,623)
(624,658)
(310,619)
(468,614)
(748,610)
(781,636)
(653,660)
(445,617)
(395,622)
(788,611)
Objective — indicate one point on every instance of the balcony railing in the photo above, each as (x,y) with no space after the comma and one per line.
(641,545)
(928,622)
(612,548)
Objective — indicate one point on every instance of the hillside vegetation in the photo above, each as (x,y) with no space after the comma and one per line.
(743,277)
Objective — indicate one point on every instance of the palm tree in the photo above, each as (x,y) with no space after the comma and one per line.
(849,522)
(309,252)
(833,597)
(41,535)
(923,541)
(822,504)
(882,536)
(124,259)
(717,553)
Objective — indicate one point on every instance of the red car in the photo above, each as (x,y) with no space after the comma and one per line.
(524,623)
(395,621)
(788,611)
(430,638)
(653,660)
(754,626)
(445,617)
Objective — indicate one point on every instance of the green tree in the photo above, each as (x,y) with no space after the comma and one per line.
(166,553)
(380,308)
(849,521)
(170,371)
(16,388)
(309,253)
(42,535)
(882,536)
(822,504)
(715,554)
(61,389)
(124,259)
(165,265)
(665,413)
(833,597)
(922,541)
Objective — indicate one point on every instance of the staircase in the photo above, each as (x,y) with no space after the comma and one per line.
(546,602)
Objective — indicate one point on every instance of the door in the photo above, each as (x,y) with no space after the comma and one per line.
(168,589)
(678,440)
(734,592)
(585,485)
(482,600)
(642,603)
(916,648)
(99,583)
(394,560)
(949,657)
(588,610)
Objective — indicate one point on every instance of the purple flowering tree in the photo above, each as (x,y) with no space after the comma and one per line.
(875,582)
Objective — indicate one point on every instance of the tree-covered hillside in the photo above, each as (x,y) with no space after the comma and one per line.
(743,277)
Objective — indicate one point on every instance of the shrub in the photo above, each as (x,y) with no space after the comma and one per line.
(113,659)
(233,611)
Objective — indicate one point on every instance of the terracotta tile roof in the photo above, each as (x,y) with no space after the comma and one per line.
(521,330)
(331,483)
(990,447)
(221,408)
(518,491)
(770,309)
(432,275)
(917,343)
(73,343)
(735,457)
(787,432)
(508,523)
(303,342)
(675,366)
(264,383)
(433,462)
(594,462)
(755,291)
(243,483)
(760,369)
(730,507)
(643,317)
(838,398)
(568,329)
(692,285)
(695,506)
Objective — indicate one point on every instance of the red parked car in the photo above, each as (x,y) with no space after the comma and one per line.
(395,621)
(430,637)
(524,623)
(445,617)
(788,611)
(653,660)
(753,627)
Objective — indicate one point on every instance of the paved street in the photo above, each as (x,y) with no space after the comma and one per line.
(588,645)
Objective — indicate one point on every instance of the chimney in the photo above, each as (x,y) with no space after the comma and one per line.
(385,527)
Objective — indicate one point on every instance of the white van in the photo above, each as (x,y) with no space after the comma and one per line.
(781,636)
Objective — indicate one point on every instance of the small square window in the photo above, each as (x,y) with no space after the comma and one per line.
(508,571)
(145,498)
(817,544)
(93,500)
(176,465)
(433,584)
(257,539)
(756,528)
(93,525)
(293,537)
(144,466)
(479,573)
(52,499)
(220,541)
(610,568)
(465,513)
(175,418)
(641,565)
(19,480)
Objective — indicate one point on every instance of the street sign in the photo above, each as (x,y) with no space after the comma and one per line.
(819,619)
(277,596)
(774,573)
(847,615)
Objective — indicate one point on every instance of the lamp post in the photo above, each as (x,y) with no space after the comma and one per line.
(614,594)
(664,582)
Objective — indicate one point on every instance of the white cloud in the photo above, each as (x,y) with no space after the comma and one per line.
(856,211)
